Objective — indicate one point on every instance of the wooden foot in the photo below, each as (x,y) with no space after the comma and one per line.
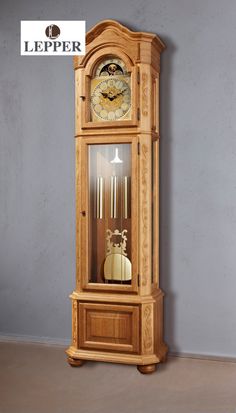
(148,369)
(75,362)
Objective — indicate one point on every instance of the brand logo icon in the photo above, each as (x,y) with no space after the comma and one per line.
(52,31)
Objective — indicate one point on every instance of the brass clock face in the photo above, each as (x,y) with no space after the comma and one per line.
(110,91)
(111,99)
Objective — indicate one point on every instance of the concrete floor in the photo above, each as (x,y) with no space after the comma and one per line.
(36,379)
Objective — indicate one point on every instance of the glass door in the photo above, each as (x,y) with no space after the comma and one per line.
(111,230)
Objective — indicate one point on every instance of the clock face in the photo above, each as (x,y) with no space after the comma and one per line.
(110,91)
(110,99)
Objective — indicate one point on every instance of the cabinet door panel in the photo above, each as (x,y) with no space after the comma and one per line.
(109,327)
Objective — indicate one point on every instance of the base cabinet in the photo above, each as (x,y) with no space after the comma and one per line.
(121,333)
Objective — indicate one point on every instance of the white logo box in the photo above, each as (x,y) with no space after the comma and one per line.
(63,38)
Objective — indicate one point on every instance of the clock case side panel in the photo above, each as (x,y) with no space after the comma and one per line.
(149,179)
(149,100)
(145,214)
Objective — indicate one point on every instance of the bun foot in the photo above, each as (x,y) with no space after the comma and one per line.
(75,362)
(148,369)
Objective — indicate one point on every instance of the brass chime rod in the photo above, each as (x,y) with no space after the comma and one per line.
(113,195)
(100,188)
(125,197)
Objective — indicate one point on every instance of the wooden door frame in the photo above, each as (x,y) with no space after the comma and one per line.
(84,218)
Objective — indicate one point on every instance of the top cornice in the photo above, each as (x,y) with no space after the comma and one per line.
(100,28)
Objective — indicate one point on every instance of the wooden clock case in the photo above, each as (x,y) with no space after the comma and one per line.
(115,322)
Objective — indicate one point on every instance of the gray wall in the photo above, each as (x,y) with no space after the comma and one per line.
(198,170)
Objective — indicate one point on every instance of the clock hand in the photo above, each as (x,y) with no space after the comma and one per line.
(118,94)
(121,93)
(105,95)
(108,95)
(112,97)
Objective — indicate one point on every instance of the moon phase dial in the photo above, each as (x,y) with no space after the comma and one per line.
(111,99)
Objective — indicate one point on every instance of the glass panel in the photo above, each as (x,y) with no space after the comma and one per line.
(110,91)
(110,213)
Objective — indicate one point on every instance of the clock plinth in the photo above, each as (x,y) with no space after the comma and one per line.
(117,306)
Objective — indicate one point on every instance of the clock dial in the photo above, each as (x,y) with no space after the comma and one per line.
(110,99)
(110,91)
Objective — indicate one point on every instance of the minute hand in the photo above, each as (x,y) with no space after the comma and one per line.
(121,93)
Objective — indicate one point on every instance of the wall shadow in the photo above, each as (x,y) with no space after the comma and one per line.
(166,193)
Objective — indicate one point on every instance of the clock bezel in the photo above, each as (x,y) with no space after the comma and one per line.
(96,83)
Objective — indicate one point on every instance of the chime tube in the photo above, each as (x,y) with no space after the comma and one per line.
(100,190)
(101,197)
(125,188)
(97,198)
(113,196)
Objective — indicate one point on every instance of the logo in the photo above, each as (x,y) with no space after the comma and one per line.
(52,31)
(47,38)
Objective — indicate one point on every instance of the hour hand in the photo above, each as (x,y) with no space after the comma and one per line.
(104,94)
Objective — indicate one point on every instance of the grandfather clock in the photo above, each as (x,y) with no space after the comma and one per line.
(117,306)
